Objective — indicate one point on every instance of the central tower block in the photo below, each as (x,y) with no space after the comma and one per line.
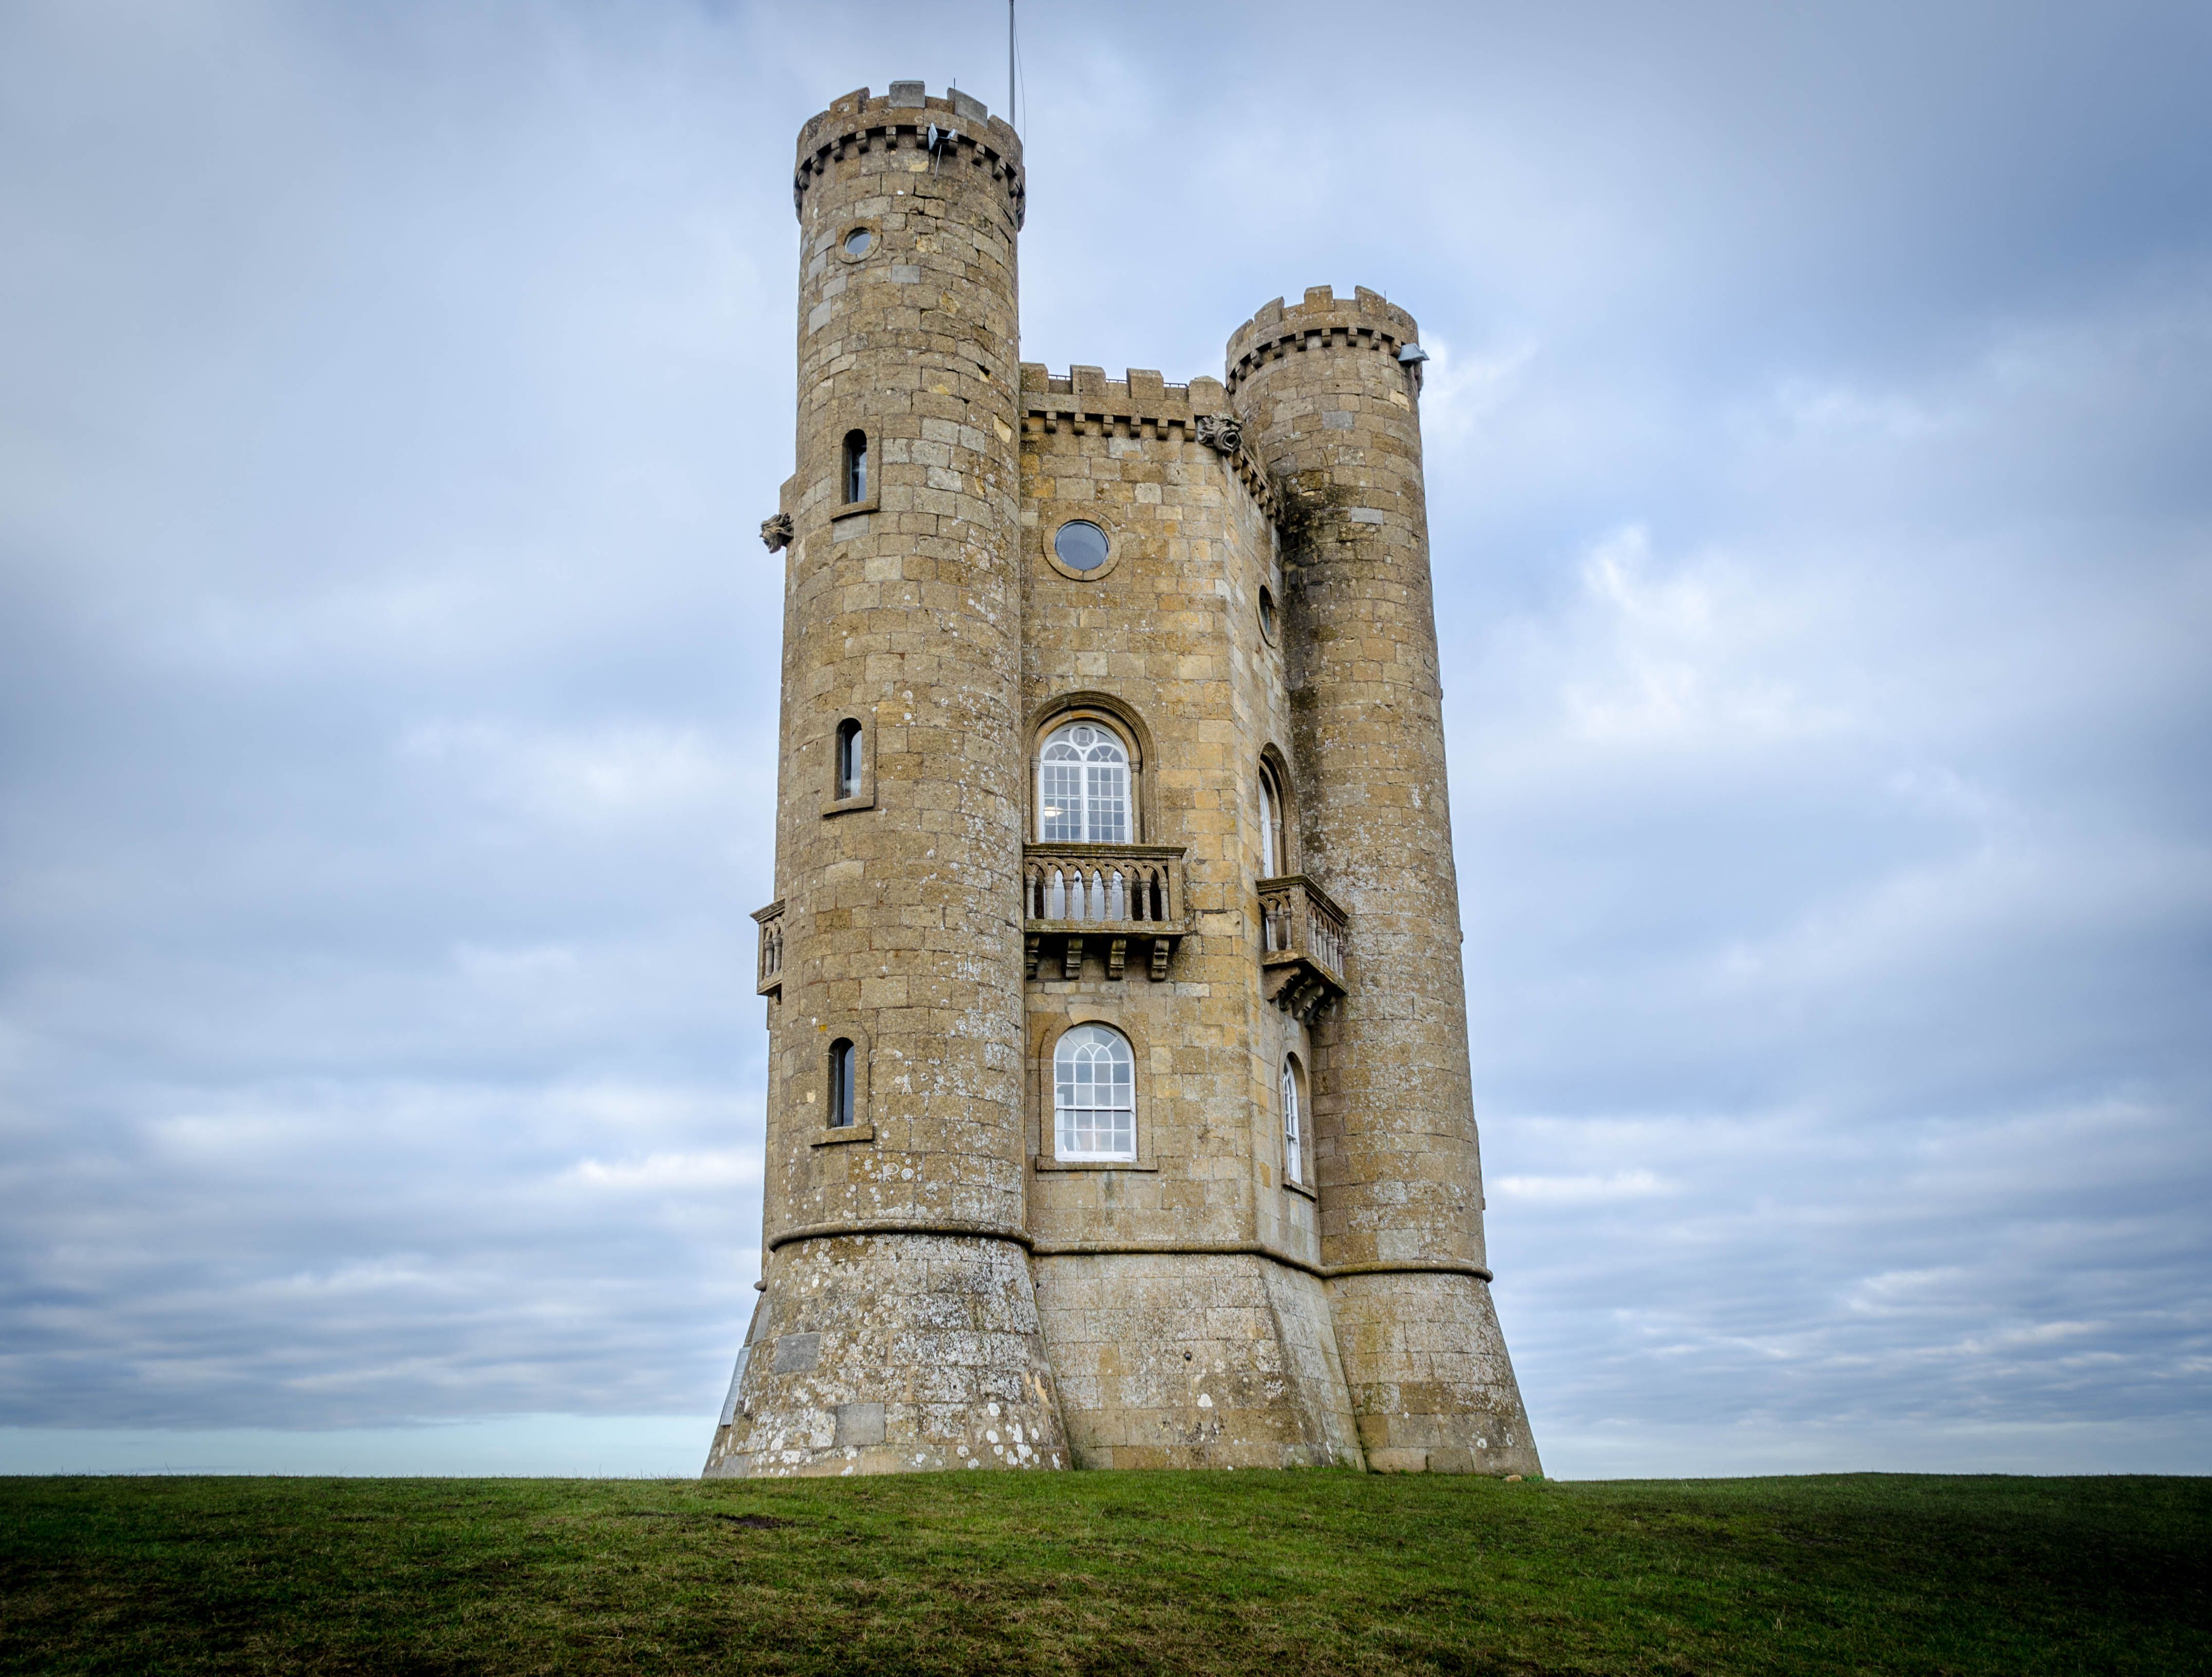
(898,1326)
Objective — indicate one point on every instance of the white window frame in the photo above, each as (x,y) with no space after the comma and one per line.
(1092,1044)
(1293,1123)
(1108,758)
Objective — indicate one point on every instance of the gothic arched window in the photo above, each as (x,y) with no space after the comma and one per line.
(1294,1166)
(1083,786)
(1274,855)
(1094,1099)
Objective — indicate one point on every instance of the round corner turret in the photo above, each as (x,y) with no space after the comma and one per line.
(1366,316)
(954,130)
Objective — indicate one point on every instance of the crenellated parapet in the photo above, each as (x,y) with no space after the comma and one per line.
(957,132)
(1323,323)
(1085,402)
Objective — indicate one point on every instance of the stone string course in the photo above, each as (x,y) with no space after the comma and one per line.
(939,1290)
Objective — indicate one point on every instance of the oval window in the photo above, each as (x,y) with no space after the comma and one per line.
(858,242)
(1268,615)
(1081,545)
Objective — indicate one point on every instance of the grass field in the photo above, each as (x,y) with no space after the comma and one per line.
(1275,1573)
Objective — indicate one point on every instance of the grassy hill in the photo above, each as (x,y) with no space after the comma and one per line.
(1275,1573)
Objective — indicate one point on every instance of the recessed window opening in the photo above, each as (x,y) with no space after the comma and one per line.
(856,466)
(844,1075)
(1095,1093)
(1268,614)
(858,242)
(1272,858)
(1294,1169)
(1080,545)
(1083,786)
(849,758)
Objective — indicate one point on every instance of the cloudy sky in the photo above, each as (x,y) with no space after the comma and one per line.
(1818,436)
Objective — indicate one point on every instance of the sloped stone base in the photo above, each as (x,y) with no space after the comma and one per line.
(891,1353)
(1193,1360)
(1430,1379)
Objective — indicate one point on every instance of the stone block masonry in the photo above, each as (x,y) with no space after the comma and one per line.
(1118,1112)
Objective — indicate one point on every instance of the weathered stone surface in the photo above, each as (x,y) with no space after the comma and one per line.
(941,1289)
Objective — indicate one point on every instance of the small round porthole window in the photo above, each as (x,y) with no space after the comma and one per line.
(1080,545)
(1268,614)
(858,242)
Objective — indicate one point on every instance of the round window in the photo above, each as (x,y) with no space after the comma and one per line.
(1268,615)
(1081,545)
(858,242)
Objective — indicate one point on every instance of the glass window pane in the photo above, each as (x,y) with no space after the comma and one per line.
(1094,1094)
(1080,545)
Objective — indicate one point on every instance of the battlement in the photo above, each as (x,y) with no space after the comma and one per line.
(1138,398)
(1138,404)
(967,133)
(1322,321)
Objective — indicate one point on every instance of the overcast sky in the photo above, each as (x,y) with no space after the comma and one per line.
(1819,446)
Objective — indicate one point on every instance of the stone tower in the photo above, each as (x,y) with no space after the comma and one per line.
(1119,1111)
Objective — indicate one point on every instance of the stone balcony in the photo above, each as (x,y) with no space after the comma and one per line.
(1105,896)
(771,949)
(1300,945)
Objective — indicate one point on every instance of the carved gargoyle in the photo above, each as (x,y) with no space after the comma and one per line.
(1222,433)
(775,532)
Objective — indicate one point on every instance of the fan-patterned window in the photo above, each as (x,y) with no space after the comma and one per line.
(1094,1094)
(1083,786)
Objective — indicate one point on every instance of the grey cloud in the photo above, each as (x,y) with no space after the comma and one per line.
(387,676)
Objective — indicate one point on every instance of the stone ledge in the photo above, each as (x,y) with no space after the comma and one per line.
(1043,1163)
(849,1132)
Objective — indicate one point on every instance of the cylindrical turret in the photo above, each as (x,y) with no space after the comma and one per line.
(1333,414)
(898,1328)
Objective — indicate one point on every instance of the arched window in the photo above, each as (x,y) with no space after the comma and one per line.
(1095,1093)
(1294,1167)
(1274,858)
(848,759)
(856,466)
(1083,786)
(843,1069)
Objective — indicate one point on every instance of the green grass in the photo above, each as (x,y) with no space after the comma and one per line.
(1275,1573)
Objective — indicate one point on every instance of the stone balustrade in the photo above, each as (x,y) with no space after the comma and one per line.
(771,949)
(1103,894)
(1302,944)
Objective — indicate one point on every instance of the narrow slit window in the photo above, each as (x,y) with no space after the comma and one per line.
(1294,1164)
(848,759)
(842,1067)
(856,466)
(1094,1094)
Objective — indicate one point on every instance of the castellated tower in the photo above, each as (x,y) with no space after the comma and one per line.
(1119,1111)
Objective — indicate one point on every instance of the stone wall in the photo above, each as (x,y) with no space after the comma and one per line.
(1335,416)
(902,614)
(940,1289)
(1175,1341)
